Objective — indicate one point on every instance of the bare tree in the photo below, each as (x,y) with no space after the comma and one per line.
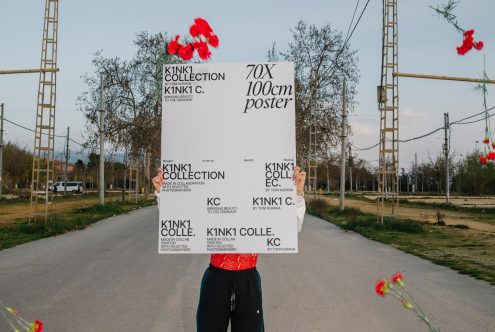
(322,61)
(132,100)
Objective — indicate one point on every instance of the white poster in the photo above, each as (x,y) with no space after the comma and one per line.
(228,154)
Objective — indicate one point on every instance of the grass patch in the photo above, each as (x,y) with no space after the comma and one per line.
(466,251)
(63,222)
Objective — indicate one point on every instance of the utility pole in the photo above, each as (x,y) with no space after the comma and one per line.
(446,151)
(101,182)
(415,172)
(125,175)
(342,152)
(1,150)
(66,161)
(350,169)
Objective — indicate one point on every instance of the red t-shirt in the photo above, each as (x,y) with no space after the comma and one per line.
(234,262)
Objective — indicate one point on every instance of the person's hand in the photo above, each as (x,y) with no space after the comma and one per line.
(158,180)
(299,180)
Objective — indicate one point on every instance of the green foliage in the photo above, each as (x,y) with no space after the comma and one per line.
(17,166)
(389,224)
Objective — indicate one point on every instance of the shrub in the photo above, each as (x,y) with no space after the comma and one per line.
(461,226)
(404,226)
(440,218)
(318,205)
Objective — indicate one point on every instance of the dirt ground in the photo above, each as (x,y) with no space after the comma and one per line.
(16,211)
(464,201)
(426,215)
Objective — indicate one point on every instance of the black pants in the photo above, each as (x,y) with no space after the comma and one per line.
(234,295)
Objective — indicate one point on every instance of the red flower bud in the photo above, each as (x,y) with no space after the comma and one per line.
(186,52)
(174,45)
(483,160)
(486,140)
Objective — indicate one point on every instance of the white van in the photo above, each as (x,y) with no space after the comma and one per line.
(72,186)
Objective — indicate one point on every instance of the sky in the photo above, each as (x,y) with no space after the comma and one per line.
(247,29)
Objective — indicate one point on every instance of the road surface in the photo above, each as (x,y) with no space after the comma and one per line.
(109,277)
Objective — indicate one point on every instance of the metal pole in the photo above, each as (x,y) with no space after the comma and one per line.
(1,150)
(66,161)
(446,150)
(125,176)
(28,71)
(101,182)
(342,152)
(445,78)
(350,169)
(415,172)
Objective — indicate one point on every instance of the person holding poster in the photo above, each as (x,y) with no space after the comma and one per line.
(231,285)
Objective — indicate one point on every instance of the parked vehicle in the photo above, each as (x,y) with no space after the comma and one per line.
(72,186)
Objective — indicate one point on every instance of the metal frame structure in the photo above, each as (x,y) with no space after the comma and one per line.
(133,178)
(44,136)
(388,104)
(312,163)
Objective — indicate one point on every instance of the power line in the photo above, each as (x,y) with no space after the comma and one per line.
(352,20)
(33,131)
(479,120)
(346,40)
(458,122)
(365,149)
(58,136)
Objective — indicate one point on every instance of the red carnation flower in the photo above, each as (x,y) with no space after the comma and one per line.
(479,45)
(38,326)
(202,48)
(203,26)
(397,276)
(381,287)
(468,43)
(174,45)
(483,160)
(195,30)
(490,155)
(213,40)
(186,52)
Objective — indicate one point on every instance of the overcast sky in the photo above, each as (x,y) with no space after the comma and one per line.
(247,29)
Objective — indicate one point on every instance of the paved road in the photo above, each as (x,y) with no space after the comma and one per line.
(109,277)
